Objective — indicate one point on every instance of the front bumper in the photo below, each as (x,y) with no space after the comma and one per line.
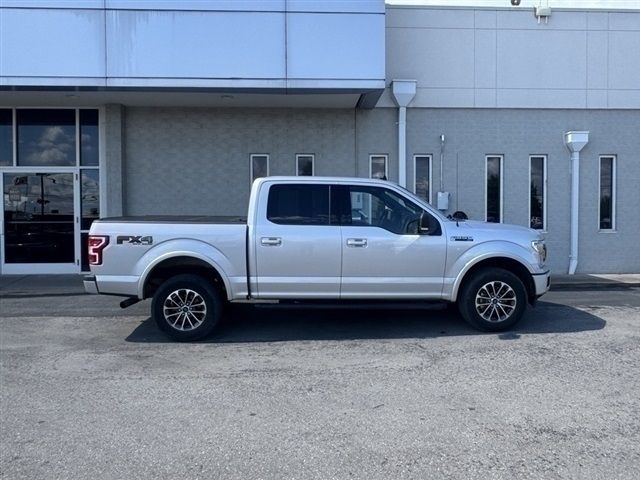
(542,282)
(90,285)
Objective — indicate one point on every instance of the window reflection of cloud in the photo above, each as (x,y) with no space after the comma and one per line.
(54,146)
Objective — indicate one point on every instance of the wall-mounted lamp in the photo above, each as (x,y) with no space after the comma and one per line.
(542,12)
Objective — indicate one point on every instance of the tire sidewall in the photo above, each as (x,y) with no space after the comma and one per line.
(466,302)
(210,295)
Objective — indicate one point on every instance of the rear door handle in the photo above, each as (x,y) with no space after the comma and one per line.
(271,241)
(356,242)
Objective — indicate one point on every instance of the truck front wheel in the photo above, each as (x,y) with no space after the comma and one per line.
(187,308)
(492,300)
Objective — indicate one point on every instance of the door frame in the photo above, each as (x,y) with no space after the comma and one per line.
(44,268)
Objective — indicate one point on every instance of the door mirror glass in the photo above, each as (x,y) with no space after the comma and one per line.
(428,224)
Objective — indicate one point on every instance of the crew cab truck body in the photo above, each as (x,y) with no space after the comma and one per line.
(315,238)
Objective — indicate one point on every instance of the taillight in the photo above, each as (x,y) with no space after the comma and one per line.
(96,246)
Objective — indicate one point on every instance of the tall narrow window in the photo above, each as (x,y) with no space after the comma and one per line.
(89,138)
(538,192)
(378,166)
(259,166)
(607,210)
(494,189)
(305,165)
(6,137)
(422,176)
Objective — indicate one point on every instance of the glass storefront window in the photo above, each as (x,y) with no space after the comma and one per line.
(89,197)
(46,137)
(56,152)
(6,137)
(89,138)
(38,218)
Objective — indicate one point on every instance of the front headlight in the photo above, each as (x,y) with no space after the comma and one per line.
(540,247)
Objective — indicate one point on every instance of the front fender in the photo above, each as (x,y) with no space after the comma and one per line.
(183,247)
(481,252)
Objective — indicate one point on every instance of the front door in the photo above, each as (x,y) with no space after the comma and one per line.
(383,253)
(40,222)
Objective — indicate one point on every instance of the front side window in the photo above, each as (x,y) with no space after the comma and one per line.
(538,192)
(381,207)
(378,166)
(607,192)
(292,204)
(493,211)
(259,166)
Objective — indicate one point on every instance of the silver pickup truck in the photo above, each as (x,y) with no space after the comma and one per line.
(312,239)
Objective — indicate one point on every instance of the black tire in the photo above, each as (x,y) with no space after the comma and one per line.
(492,300)
(183,292)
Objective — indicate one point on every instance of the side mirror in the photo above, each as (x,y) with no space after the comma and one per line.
(429,225)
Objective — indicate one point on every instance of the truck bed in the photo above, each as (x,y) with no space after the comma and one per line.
(219,220)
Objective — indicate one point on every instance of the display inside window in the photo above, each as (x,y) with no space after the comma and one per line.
(537,194)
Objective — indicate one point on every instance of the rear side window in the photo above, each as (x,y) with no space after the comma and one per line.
(292,204)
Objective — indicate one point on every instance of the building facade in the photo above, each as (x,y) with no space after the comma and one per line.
(172,107)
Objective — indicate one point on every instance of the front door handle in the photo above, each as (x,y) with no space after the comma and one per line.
(356,242)
(271,241)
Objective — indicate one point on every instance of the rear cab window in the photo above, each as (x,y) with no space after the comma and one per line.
(299,204)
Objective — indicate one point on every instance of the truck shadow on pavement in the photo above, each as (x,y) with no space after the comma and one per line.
(258,324)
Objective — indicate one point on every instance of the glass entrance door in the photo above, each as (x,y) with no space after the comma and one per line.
(40,222)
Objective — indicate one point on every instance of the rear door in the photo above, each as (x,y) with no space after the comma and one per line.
(384,255)
(298,248)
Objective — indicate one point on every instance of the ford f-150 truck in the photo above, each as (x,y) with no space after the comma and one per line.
(313,239)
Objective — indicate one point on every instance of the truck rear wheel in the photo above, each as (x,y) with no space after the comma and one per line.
(493,300)
(187,308)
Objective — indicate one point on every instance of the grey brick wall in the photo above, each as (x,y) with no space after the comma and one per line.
(197,160)
(185,160)
(113,158)
(516,134)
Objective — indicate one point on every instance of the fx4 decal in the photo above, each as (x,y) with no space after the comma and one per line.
(134,240)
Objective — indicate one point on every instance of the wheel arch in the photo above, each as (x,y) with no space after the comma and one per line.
(510,264)
(180,263)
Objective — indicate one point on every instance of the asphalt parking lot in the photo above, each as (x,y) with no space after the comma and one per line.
(92,391)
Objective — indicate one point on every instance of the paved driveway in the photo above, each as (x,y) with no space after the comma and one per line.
(92,391)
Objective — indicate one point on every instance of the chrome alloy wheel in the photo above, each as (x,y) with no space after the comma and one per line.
(495,301)
(184,309)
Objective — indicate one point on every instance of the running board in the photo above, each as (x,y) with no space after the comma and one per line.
(355,305)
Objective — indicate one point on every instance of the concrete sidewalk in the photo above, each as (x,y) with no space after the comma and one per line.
(72,284)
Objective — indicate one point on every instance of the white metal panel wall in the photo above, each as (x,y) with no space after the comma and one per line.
(51,43)
(335,46)
(176,44)
(193,43)
(504,58)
